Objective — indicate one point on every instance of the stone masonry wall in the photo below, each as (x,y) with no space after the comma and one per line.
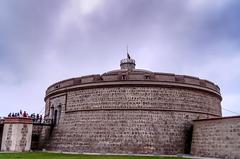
(153,132)
(16,137)
(45,137)
(217,138)
(132,119)
(40,136)
(143,98)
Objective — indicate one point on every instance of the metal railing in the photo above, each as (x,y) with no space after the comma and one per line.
(43,122)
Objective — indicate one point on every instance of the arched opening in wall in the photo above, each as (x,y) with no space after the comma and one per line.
(188,140)
(59,108)
(124,77)
(55,117)
(35,141)
(52,113)
(147,77)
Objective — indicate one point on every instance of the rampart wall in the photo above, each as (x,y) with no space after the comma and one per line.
(129,118)
(126,131)
(217,138)
(143,98)
(129,111)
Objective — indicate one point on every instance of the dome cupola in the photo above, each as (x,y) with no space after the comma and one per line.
(127,63)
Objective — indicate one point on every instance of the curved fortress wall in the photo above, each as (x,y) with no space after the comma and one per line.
(129,111)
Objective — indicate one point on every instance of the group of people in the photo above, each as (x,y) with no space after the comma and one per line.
(37,118)
(19,114)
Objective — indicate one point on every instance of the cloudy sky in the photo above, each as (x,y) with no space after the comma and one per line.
(42,42)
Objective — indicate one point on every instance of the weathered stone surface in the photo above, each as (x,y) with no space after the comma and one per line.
(130,119)
(123,131)
(16,134)
(40,136)
(217,138)
(143,98)
(128,111)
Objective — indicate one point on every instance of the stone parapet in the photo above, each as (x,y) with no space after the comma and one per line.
(123,76)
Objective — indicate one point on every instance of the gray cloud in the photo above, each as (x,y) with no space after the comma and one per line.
(46,41)
(25,28)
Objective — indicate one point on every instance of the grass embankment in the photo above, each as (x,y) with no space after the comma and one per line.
(44,155)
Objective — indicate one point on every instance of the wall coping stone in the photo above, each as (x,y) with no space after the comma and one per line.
(17,120)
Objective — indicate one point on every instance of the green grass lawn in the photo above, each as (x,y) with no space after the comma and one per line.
(44,155)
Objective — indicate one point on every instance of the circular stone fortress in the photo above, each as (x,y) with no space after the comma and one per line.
(129,111)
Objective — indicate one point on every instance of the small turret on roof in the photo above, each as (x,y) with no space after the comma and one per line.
(127,63)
